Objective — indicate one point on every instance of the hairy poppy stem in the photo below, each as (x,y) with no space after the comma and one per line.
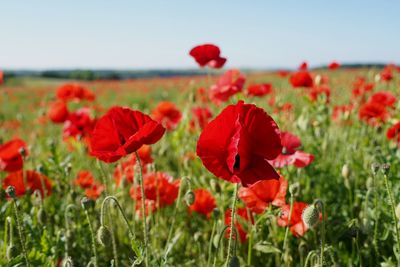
(143,210)
(93,239)
(211,242)
(20,231)
(393,211)
(320,205)
(233,212)
(67,228)
(285,255)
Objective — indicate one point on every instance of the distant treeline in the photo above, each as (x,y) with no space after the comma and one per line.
(89,75)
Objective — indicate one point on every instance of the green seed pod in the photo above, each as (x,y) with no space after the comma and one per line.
(42,216)
(234,261)
(104,236)
(310,216)
(190,197)
(375,168)
(11,252)
(385,168)
(346,171)
(11,191)
(398,211)
(87,203)
(294,189)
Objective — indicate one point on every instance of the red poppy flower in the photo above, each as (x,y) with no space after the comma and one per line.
(301,79)
(290,155)
(123,131)
(158,187)
(338,111)
(167,114)
(78,124)
(236,145)
(10,155)
(321,90)
(1,77)
(127,168)
(243,213)
(373,113)
(58,111)
(204,202)
(297,227)
(144,153)
(259,89)
(32,181)
(68,92)
(94,191)
(208,55)
(201,116)
(386,74)
(394,132)
(84,179)
(333,65)
(303,66)
(229,84)
(384,98)
(283,73)
(260,195)
(361,87)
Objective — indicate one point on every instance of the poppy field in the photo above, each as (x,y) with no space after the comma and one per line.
(280,168)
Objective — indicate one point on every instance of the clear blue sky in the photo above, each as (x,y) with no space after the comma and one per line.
(158,34)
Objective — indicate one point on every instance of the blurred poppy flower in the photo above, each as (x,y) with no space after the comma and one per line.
(301,79)
(122,131)
(260,195)
(158,187)
(58,111)
(303,66)
(322,90)
(28,180)
(204,202)
(1,77)
(384,98)
(229,84)
(76,92)
(283,73)
(361,87)
(208,55)
(297,227)
(126,169)
(201,116)
(259,89)
(333,65)
(236,145)
(394,132)
(94,191)
(290,155)
(10,155)
(243,213)
(79,124)
(84,179)
(167,114)
(386,74)
(373,113)
(342,110)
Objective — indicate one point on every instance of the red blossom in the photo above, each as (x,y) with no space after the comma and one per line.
(10,155)
(28,180)
(244,214)
(84,179)
(208,55)
(204,202)
(201,117)
(76,92)
(296,224)
(167,114)
(301,79)
(259,89)
(333,65)
(229,84)
(58,111)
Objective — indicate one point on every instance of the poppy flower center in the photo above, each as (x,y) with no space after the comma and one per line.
(236,166)
(284,151)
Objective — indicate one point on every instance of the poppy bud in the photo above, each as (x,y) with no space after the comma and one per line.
(104,236)
(294,189)
(310,216)
(40,168)
(189,197)
(67,262)
(385,168)
(375,168)
(397,211)
(346,171)
(68,168)
(234,261)
(216,212)
(370,183)
(42,216)
(353,231)
(87,203)
(22,152)
(11,191)
(11,252)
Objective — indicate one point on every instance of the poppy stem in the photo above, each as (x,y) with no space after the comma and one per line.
(320,205)
(143,210)
(393,211)
(93,239)
(211,242)
(67,228)
(233,212)
(20,231)
(285,243)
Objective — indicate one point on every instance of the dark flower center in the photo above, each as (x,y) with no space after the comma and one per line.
(284,151)
(236,166)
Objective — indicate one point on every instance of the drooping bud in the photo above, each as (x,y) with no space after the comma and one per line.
(22,152)
(375,168)
(11,191)
(11,252)
(104,236)
(294,189)
(385,168)
(87,203)
(40,168)
(310,216)
(190,197)
(346,171)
